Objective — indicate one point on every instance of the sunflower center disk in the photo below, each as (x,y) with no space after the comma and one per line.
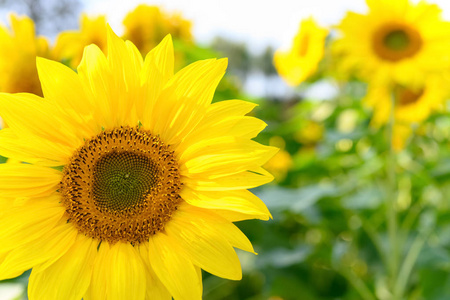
(406,96)
(121,185)
(394,42)
(122,180)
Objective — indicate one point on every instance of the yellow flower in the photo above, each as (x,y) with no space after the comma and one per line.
(301,61)
(400,135)
(395,41)
(18,50)
(281,163)
(133,178)
(310,133)
(70,44)
(147,25)
(412,104)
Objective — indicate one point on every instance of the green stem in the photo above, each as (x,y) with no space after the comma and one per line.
(391,213)
(409,220)
(409,263)
(376,240)
(358,284)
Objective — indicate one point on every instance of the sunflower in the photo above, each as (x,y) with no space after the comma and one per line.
(70,44)
(132,177)
(395,41)
(412,103)
(280,164)
(18,50)
(147,25)
(400,135)
(301,61)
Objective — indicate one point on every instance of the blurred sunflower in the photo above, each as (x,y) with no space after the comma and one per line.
(70,44)
(400,136)
(147,25)
(133,178)
(18,50)
(280,164)
(302,60)
(309,133)
(395,40)
(412,104)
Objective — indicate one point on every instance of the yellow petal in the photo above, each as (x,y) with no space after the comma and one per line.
(245,180)
(183,102)
(229,108)
(156,72)
(96,78)
(22,224)
(125,64)
(29,115)
(125,274)
(223,156)
(225,118)
(241,201)
(174,270)
(213,126)
(207,239)
(33,149)
(47,248)
(155,288)
(98,287)
(67,278)
(24,180)
(62,86)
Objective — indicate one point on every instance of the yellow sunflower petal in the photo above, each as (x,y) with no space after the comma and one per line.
(184,100)
(67,278)
(244,180)
(242,127)
(125,63)
(23,180)
(62,86)
(208,240)
(223,156)
(155,288)
(125,274)
(235,216)
(95,75)
(156,72)
(30,115)
(241,201)
(23,224)
(24,149)
(98,288)
(217,114)
(174,270)
(47,248)
(118,273)
(228,108)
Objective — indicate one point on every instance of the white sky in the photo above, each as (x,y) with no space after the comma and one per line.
(258,23)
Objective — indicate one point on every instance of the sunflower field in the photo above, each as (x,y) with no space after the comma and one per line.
(137,165)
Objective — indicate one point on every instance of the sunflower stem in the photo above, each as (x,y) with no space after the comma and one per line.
(391,212)
(358,284)
(408,264)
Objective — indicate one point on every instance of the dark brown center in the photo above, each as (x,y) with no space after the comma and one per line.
(396,41)
(405,96)
(121,185)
